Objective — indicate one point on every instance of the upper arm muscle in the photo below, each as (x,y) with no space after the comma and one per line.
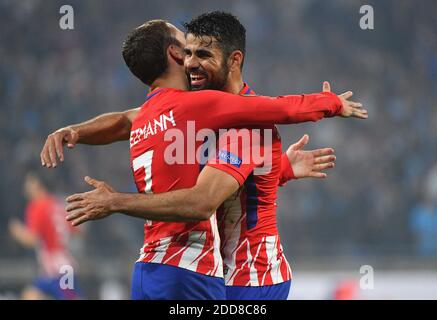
(216,185)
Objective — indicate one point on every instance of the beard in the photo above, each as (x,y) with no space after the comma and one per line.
(217,82)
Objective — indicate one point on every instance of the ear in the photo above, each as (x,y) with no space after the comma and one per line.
(235,60)
(176,54)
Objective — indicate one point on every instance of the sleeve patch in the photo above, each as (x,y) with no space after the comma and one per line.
(230,158)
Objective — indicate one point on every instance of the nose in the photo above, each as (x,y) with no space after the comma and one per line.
(191,63)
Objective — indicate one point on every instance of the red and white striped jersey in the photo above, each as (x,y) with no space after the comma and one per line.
(250,243)
(163,129)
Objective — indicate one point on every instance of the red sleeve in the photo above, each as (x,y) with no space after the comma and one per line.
(34,218)
(234,153)
(224,110)
(287,173)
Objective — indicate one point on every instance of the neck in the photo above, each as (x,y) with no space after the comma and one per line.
(175,80)
(234,84)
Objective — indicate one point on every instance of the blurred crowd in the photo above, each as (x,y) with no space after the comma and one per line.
(380,200)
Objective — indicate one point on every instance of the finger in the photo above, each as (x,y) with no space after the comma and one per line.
(59,148)
(326,86)
(75,197)
(360,114)
(76,214)
(324,166)
(322,152)
(319,175)
(45,155)
(80,220)
(360,109)
(347,94)
(301,143)
(324,159)
(41,156)
(356,104)
(74,205)
(92,182)
(52,154)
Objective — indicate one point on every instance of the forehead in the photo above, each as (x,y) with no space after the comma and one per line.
(202,42)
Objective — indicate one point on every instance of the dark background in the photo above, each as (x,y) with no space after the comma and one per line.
(378,206)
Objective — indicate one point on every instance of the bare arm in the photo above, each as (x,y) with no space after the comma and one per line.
(213,186)
(22,235)
(104,129)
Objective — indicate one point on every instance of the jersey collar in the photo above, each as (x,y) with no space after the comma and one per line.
(246,90)
(153,93)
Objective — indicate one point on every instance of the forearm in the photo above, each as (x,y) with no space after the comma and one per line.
(179,205)
(104,129)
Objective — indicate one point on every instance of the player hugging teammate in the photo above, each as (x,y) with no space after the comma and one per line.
(211,229)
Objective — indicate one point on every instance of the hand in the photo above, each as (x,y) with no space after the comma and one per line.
(15,226)
(350,108)
(54,146)
(309,164)
(91,205)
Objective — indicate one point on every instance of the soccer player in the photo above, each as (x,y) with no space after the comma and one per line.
(192,247)
(47,232)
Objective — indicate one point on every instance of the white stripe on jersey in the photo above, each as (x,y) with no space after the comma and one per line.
(232,232)
(218,261)
(161,250)
(233,271)
(276,269)
(142,254)
(193,250)
(253,272)
(289,272)
(270,245)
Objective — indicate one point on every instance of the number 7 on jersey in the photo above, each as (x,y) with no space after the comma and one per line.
(145,161)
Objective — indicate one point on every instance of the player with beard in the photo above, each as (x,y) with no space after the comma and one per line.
(254,264)
(198,195)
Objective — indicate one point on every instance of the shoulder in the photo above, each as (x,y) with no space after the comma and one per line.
(206,94)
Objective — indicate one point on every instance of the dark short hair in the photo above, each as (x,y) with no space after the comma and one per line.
(224,27)
(145,50)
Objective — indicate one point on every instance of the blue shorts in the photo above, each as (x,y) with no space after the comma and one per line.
(50,286)
(154,281)
(273,292)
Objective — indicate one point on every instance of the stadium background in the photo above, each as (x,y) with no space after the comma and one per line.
(368,212)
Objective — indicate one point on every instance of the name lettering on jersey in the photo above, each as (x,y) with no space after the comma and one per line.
(152,127)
